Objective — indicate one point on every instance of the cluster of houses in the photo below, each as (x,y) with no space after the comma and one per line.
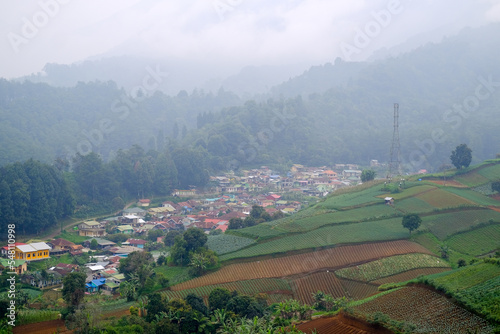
(312,181)
(101,276)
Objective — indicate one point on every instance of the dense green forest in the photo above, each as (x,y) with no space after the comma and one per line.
(33,196)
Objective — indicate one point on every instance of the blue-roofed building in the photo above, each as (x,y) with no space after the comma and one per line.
(95,285)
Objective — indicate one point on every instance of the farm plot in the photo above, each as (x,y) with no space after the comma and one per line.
(333,258)
(474,196)
(359,198)
(312,222)
(441,199)
(325,281)
(428,310)
(492,173)
(227,243)
(358,290)
(249,287)
(476,242)
(447,224)
(413,205)
(388,229)
(333,325)
(466,277)
(390,266)
(409,275)
(472,179)
(484,297)
(411,192)
(261,231)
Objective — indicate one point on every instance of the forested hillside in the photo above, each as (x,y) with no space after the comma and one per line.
(447,92)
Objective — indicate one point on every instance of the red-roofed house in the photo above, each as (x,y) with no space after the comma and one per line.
(5,249)
(222,227)
(144,202)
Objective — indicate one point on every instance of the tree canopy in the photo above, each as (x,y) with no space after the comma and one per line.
(461,157)
(411,221)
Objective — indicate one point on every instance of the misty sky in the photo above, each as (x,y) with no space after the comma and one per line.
(224,32)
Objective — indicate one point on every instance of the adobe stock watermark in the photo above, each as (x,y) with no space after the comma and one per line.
(453,117)
(31,26)
(11,262)
(251,148)
(371,30)
(120,109)
(222,7)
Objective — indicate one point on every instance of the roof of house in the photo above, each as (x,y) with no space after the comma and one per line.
(124,227)
(14,245)
(102,242)
(137,241)
(144,200)
(34,247)
(91,223)
(61,242)
(133,210)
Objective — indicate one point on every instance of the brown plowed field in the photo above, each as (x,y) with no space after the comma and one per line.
(339,325)
(358,290)
(327,282)
(333,258)
(46,327)
(428,310)
(410,274)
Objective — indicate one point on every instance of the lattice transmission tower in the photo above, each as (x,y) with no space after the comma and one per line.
(395,162)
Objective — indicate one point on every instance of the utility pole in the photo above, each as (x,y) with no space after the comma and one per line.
(395,162)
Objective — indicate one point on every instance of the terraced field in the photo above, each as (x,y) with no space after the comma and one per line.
(358,198)
(355,215)
(227,243)
(410,274)
(441,199)
(413,205)
(390,266)
(446,224)
(250,287)
(304,287)
(476,242)
(474,196)
(334,325)
(429,311)
(388,229)
(333,258)
(358,290)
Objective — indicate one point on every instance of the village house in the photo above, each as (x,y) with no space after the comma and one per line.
(19,266)
(101,243)
(91,229)
(139,243)
(144,202)
(184,193)
(32,252)
(60,246)
(5,249)
(135,212)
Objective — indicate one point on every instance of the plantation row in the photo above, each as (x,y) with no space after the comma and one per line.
(388,229)
(332,258)
(476,242)
(329,325)
(410,274)
(390,266)
(446,224)
(227,243)
(324,281)
(428,310)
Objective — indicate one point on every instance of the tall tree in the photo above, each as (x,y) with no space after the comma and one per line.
(411,221)
(461,157)
(367,175)
(74,288)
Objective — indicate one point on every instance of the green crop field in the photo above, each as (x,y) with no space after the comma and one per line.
(474,196)
(492,173)
(410,192)
(465,277)
(389,266)
(484,297)
(471,179)
(388,229)
(440,199)
(446,224)
(352,199)
(264,230)
(227,243)
(413,205)
(355,215)
(477,242)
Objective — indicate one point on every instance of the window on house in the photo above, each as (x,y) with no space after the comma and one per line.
(29,255)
